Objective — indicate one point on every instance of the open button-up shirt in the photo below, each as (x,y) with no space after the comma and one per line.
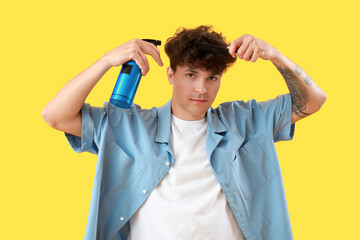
(134,154)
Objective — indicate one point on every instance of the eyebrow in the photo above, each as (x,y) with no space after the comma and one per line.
(191,70)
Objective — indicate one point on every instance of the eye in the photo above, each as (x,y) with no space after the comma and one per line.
(213,78)
(190,75)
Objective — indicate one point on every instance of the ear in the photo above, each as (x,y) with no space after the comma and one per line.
(170,75)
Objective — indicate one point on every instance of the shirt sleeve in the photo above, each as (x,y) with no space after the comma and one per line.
(278,114)
(92,121)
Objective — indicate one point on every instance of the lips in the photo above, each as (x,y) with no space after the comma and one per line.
(199,100)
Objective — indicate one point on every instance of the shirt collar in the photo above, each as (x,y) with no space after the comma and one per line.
(163,131)
(214,122)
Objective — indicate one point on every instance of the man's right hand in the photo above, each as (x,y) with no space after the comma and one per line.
(63,112)
(134,50)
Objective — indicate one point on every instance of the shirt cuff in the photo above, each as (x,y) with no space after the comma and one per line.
(286,129)
(85,142)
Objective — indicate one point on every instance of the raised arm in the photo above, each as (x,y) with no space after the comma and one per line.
(63,112)
(307,97)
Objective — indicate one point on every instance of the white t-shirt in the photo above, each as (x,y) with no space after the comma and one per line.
(188,203)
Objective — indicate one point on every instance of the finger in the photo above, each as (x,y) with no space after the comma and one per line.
(255,56)
(147,46)
(139,61)
(249,51)
(152,50)
(232,50)
(144,59)
(235,45)
(241,51)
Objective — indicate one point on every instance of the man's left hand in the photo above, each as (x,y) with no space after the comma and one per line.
(250,48)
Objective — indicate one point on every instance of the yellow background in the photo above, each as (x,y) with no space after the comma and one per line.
(45,187)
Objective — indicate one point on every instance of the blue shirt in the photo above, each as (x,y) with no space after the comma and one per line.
(134,154)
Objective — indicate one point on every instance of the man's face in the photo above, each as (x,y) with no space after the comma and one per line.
(194,91)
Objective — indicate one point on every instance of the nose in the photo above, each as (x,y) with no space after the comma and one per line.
(201,86)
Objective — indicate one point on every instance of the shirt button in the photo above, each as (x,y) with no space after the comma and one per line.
(144,191)
(122,219)
(167,163)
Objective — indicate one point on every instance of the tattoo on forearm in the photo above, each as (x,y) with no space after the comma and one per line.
(298,70)
(308,80)
(298,94)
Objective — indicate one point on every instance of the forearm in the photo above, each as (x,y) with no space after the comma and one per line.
(307,97)
(70,99)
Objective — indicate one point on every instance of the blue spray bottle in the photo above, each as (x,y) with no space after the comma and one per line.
(128,82)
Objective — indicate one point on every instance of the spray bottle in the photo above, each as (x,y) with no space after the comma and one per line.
(128,82)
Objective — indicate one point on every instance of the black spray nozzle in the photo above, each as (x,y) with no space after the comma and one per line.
(153,41)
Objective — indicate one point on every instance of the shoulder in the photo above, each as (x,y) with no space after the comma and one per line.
(253,114)
(115,116)
(253,105)
(240,106)
(134,111)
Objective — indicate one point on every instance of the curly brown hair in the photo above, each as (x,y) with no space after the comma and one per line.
(201,48)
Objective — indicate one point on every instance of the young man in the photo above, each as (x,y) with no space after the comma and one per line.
(186,170)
